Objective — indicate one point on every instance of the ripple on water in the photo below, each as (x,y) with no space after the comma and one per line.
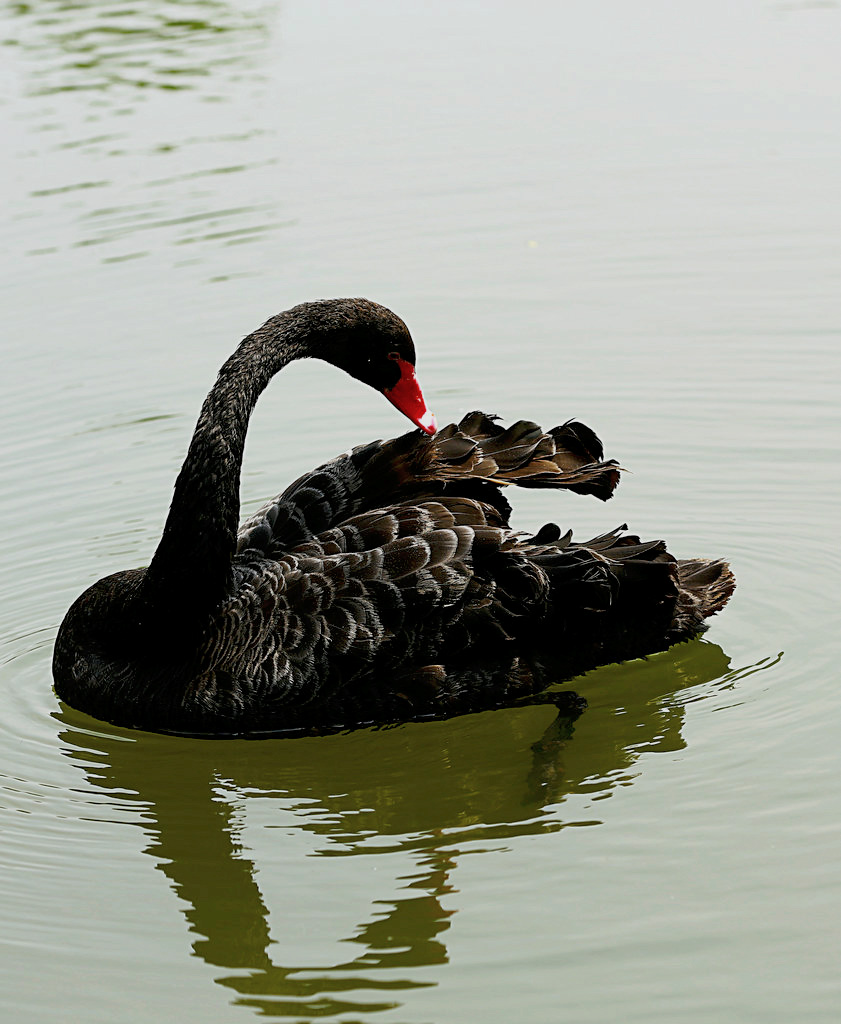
(148,63)
(125,48)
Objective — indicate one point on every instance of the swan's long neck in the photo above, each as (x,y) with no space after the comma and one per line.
(191,570)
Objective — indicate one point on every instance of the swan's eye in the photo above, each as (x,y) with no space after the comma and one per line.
(394,355)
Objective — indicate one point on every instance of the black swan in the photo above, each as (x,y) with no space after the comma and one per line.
(384,586)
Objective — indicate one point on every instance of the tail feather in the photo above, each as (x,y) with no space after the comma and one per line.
(701,586)
(649,599)
(710,582)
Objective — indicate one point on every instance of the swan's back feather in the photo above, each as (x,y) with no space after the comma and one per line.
(475,457)
(439,592)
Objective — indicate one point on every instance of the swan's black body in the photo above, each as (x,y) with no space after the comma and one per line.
(386,585)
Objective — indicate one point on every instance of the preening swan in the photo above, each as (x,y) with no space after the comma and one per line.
(386,585)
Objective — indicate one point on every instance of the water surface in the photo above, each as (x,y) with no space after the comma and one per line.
(629,214)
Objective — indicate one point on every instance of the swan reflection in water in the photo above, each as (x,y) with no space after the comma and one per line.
(432,792)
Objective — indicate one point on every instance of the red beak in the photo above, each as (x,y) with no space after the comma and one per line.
(406,395)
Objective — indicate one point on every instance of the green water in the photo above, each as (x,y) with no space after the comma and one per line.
(624,213)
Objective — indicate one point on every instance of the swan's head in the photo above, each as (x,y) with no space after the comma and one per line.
(372,344)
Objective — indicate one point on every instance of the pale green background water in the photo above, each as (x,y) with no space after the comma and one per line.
(626,212)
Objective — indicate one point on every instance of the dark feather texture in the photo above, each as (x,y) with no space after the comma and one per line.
(385,585)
